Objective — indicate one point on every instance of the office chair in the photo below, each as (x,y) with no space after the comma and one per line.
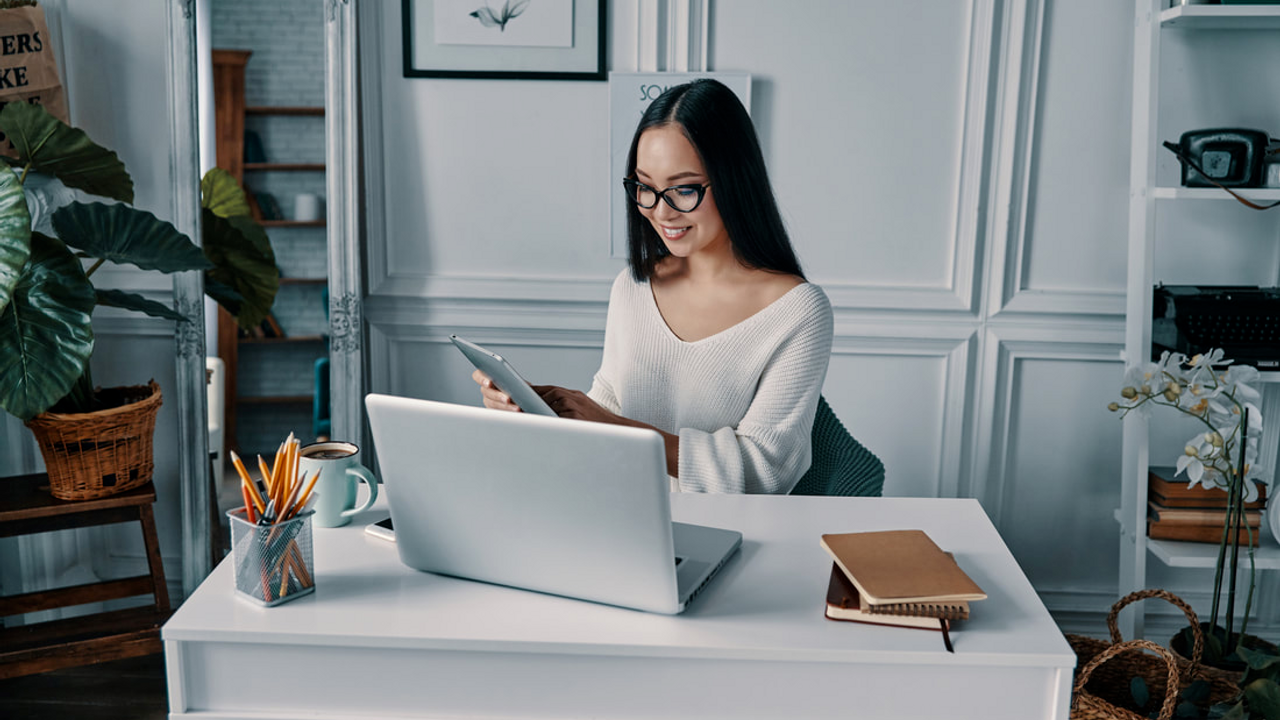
(841,465)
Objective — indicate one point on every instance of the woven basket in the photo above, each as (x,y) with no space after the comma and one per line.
(1094,697)
(1226,674)
(96,454)
(1111,682)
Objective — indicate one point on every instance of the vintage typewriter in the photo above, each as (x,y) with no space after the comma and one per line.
(1244,321)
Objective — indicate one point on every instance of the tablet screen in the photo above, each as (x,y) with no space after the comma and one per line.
(504,376)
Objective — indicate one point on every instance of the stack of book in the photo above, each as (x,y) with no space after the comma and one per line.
(1197,514)
(897,577)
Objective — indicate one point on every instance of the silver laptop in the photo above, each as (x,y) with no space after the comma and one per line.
(567,507)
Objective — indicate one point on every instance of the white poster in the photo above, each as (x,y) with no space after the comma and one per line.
(629,96)
(525,23)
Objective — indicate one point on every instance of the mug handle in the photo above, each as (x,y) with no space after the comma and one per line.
(362,473)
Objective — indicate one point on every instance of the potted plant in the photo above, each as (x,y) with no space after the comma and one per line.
(1223,453)
(47,298)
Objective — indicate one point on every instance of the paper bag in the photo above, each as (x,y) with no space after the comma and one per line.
(28,69)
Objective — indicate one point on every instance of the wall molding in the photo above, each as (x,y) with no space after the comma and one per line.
(1004,349)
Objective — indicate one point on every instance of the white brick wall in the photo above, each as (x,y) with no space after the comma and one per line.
(287,40)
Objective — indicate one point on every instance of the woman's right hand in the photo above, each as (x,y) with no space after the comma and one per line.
(493,397)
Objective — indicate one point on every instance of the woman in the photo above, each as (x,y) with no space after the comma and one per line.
(713,336)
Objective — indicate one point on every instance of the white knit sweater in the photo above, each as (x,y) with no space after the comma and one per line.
(742,400)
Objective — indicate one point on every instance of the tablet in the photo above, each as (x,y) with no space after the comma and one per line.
(504,377)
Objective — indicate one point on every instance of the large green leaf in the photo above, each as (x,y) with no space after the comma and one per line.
(133,301)
(223,294)
(123,234)
(1264,698)
(220,193)
(55,148)
(45,332)
(235,246)
(255,234)
(15,233)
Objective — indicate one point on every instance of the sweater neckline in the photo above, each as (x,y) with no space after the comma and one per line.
(749,320)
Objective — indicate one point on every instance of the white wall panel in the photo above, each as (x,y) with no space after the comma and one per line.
(860,109)
(1053,481)
(894,399)
(1079,164)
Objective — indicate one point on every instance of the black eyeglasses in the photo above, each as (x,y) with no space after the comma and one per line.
(682,198)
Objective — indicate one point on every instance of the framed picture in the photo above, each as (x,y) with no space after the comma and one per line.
(504,39)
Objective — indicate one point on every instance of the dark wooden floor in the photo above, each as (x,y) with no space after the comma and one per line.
(131,689)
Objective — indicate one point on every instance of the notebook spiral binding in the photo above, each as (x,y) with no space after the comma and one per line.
(941,611)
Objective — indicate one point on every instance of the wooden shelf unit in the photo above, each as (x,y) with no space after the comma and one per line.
(230,113)
(291,223)
(27,507)
(283,167)
(283,110)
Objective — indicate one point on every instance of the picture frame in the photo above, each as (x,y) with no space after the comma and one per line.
(504,39)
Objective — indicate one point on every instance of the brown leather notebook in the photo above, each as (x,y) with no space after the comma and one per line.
(843,604)
(893,567)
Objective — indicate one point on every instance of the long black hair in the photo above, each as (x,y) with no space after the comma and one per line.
(718,127)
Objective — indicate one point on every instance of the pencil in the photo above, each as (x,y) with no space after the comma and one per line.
(250,507)
(276,462)
(266,475)
(289,506)
(252,489)
(244,474)
(306,494)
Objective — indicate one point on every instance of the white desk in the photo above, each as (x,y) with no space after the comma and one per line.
(377,639)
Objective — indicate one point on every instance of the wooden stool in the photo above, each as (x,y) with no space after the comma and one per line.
(26,508)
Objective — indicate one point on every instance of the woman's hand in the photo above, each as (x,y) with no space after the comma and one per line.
(575,404)
(493,397)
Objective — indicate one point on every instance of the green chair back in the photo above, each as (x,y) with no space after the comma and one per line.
(841,465)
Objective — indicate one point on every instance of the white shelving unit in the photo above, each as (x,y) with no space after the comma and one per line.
(1153,20)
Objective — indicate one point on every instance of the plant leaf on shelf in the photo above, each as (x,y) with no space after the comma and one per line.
(243,260)
(123,234)
(54,148)
(46,336)
(223,294)
(15,233)
(221,194)
(133,301)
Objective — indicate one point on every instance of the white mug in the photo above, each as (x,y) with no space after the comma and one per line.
(340,472)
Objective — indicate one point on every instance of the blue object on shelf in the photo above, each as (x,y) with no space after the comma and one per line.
(321,426)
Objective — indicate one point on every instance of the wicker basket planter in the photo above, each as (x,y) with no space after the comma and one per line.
(95,454)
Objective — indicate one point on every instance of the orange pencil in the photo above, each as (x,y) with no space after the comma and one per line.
(292,498)
(306,494)
(244,474)
(248,505)
(266,476)
(276,462)
(251,493)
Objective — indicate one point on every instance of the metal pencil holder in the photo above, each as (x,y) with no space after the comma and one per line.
(273,563)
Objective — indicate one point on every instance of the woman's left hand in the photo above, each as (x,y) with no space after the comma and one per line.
(574,404)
